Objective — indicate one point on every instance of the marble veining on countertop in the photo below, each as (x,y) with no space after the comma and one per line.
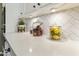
(24,44)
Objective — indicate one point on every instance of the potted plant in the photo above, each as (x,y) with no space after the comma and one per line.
(21,25)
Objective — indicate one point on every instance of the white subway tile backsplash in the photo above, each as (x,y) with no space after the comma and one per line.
(68,20)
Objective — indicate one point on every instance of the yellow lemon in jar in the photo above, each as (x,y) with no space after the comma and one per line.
(56,29)
(56,37)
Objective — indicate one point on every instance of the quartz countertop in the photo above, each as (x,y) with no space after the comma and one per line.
(24,44)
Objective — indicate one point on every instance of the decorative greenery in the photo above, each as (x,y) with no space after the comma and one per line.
(21,22)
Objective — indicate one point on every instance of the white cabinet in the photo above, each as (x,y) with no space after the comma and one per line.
(8,50)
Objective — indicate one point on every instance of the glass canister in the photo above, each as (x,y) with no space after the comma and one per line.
(55,32)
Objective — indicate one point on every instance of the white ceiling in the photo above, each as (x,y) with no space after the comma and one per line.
(45,8)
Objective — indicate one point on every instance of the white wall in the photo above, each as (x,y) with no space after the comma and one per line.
(68,20)
(13,11)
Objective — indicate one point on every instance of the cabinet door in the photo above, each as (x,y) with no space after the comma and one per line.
(1,28)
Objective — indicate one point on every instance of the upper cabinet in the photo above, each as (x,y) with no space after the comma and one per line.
(27,8)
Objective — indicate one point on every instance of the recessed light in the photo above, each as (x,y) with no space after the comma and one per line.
(53,10)
(34,6)
(30,50)
(30,16)
(38,4)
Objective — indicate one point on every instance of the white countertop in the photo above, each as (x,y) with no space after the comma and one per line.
(25,44)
